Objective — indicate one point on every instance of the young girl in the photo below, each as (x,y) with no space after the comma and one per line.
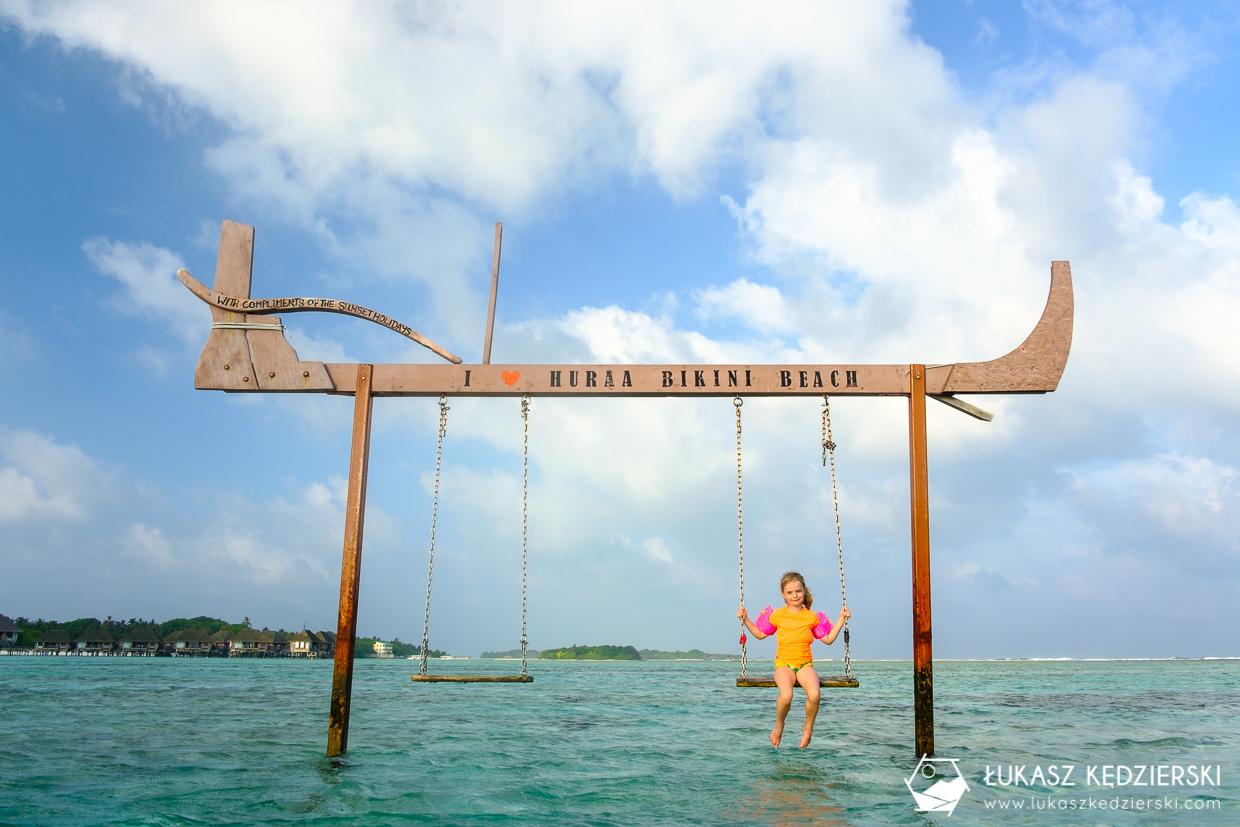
(794,628)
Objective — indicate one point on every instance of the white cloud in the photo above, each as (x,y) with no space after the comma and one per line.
(761,307)
(312,348)
(148,274)
(656,549)
(44,481)
(890,219)
(1180,496)
(148,544)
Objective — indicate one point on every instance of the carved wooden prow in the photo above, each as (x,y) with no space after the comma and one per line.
(247,351)
(254,355)
(1034,367)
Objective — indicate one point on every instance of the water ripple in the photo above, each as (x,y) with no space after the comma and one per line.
(164,742)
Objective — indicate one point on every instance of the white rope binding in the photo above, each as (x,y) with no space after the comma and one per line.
(246,326)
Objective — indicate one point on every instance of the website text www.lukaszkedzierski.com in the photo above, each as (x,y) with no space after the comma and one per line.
(1167,802)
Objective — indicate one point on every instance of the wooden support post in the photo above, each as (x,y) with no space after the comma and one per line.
(486,345)
(351,566)
(919,489)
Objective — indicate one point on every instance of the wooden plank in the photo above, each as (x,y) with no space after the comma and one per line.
(225,360)
(276,366)
(241,359)
(472,678)
(963,407)
(831,682)
(486,343)
(631,380)
(919,498)
(218,299)
(351,566)
(1034,367)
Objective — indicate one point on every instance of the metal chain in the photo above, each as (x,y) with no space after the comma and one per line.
(525,500)
(828,447)
(430,567)
(740,533)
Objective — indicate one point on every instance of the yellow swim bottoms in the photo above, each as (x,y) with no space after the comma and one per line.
(795,667)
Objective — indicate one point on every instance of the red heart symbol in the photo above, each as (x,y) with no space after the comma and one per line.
(510,377)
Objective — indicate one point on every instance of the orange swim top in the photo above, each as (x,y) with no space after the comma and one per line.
(794,632)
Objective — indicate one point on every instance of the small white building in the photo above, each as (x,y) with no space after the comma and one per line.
(383,650)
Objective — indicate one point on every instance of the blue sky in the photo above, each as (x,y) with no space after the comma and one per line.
(825,184)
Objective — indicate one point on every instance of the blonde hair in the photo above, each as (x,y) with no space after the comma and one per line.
(788,577)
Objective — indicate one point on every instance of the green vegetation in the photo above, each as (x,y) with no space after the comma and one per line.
(511,653)
(692,654)
(210,625)
(576,652)
(31,629)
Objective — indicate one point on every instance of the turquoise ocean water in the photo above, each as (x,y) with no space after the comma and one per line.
(122,741)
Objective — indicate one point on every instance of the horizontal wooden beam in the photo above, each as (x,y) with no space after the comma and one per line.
(246,352)
(628,380)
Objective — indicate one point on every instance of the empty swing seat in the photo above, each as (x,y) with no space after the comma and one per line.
(829,681)
(472,678)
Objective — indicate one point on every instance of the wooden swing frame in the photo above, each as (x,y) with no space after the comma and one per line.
(246,352)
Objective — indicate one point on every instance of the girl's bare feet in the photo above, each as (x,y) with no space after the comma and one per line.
(777,734)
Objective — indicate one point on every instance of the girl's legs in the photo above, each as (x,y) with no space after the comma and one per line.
(808,679)
(784,679)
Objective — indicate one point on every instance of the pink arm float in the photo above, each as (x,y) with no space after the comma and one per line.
(764,622)
(823,628)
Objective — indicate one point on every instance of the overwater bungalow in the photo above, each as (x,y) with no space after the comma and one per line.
(53,642)
(257,643)
(307,644)
(141,641)
(188,643)
(8,632)
(95,642)
(325,643)
(301,644)
(219,643)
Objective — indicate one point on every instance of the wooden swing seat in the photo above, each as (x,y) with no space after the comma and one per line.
(829,681)
(472,678)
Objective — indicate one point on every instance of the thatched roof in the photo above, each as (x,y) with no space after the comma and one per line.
(7,625)
(326,637)
(54,636)
(301,637)
(195,636)
(254,636)
(222,636)
(141,634)
(99,635)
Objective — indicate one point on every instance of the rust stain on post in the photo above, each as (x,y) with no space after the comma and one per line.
(919,485)
(351,566)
